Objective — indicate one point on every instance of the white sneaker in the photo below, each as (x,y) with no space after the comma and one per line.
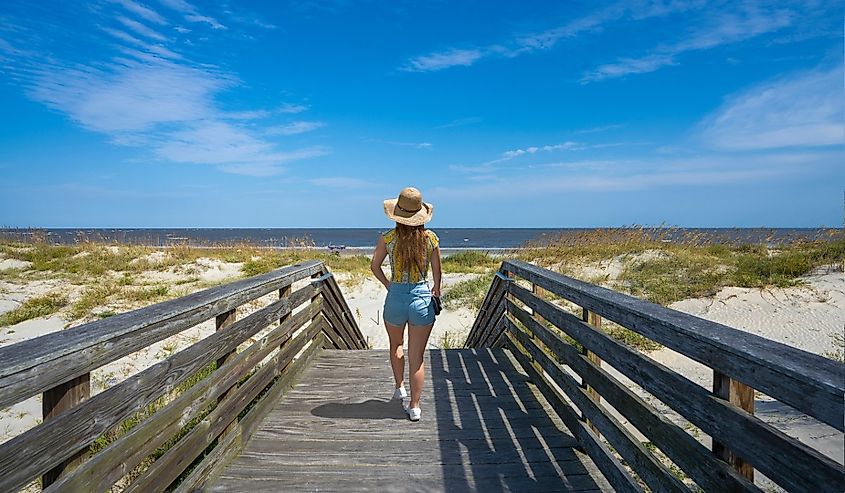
(400,393)
(414,413)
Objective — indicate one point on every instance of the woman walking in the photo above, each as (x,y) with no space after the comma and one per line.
(411,249)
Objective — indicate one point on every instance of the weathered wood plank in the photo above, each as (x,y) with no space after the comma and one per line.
(105,468)
(54,402)
(347,312)
(211,466)
(783,459)
(32,453)
(742,396)
(690,455)
(172,463)
(34,365)
(479,416)
(341,325)
(808,382)
(613,471)
(647,467)
(481,320)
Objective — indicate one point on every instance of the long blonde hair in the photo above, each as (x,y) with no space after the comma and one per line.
(411,247)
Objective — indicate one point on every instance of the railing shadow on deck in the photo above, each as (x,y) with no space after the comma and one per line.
(194,410)
(511,442)
(564,355)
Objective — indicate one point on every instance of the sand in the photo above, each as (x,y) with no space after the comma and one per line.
(803,316)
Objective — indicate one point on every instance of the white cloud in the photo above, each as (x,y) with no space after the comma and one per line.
(803,109)
(142,11)
(638,174)
(149,96)
(415,145)
(441,60)
(340,182)
(459,122)
(292,108)
(295,128)
(191,13)
(140,28)
(726,28)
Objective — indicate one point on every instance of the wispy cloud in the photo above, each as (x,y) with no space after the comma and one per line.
(340,182)
(292,108)
(799,110)
(638,174)
(142,11)
(460,122)
(151,96)
(522,44)
(722,29)
(295,128)
(140,28)
(440,60)
(191,13)
(415,145)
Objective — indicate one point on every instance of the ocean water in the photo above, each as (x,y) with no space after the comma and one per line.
(451,238)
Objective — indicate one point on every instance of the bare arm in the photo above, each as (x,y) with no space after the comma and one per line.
(436,271)
(378,259)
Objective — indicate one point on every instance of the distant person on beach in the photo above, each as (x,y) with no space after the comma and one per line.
(411,249)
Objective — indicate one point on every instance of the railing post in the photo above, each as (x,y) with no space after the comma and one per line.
(54,401)
(284,293)
(742,396)
(222,321)
(592,319)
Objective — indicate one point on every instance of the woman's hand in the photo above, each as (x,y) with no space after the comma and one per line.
(435,291)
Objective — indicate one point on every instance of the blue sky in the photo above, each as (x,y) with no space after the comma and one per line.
(170,113)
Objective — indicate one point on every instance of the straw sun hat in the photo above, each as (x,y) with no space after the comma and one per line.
(408,208)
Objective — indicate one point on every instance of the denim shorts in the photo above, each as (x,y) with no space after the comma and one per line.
(408,302)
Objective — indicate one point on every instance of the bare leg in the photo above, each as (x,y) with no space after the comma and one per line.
(417,340)
(396,337)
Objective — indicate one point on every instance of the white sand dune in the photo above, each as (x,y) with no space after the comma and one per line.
(804,316)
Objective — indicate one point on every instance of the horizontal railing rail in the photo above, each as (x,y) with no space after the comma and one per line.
(206,395)
(564,354)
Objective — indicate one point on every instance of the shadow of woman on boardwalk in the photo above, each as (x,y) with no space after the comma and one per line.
(369,409)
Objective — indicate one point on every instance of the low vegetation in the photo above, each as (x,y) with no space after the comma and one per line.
(40,306)
(665,265)
(470,261)
(469,293)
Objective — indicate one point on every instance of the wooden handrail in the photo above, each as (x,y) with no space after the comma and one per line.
(220,383)
(531,325)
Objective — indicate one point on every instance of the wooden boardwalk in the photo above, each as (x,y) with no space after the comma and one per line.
(484,428)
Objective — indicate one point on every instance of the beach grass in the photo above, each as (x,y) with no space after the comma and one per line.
(469,262)
(469,293)
(688,266)
(39,306)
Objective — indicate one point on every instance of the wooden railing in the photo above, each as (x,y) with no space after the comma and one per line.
(199,406)
(570,373)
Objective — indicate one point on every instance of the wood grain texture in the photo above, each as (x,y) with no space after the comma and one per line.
(334,288)
(480,320)
(607,463)
(808,382)
(599,420)
(32,453)
(105,468)
(684,450)
(783,459)
(56,401)
(37,364)
(739,395)
(482,427)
